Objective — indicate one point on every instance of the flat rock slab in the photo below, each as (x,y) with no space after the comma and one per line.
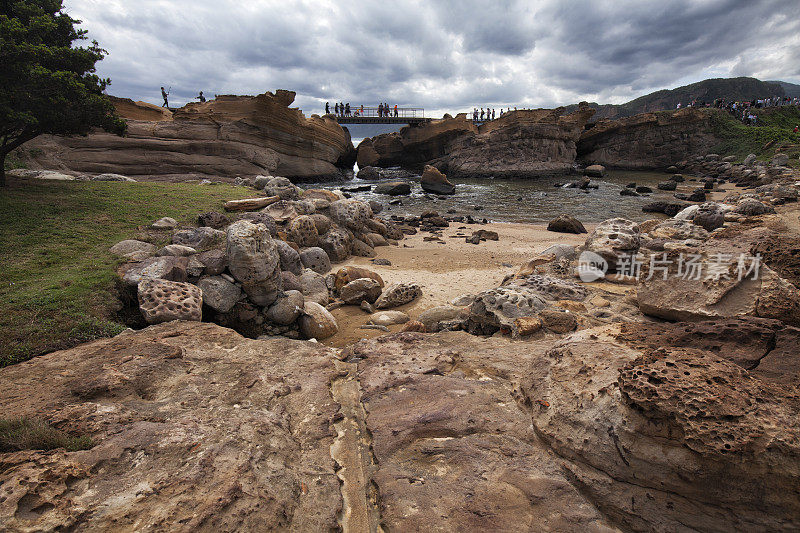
(195,428)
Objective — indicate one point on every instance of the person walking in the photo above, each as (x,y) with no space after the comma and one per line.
(165,95)
(481,114)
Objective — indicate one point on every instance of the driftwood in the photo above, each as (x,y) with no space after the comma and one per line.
(250,204)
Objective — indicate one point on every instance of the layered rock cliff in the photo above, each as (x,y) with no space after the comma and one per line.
(648,140)
(525,144)
(226,137)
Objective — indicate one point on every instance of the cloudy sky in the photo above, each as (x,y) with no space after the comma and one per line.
(444,55)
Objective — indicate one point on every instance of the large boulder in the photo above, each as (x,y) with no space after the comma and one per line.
(162,301)
(254,261)
(166,267)
(435,182)
(132,246)
(709,216)
(351,214)
(499,308)
(314,287)
(594,171)
(280,187)
(290,258)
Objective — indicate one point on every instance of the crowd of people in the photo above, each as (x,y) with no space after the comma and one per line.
(742,110)
(484,115)
(344,110)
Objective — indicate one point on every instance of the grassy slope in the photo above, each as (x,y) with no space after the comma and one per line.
(56,288)
(774,130)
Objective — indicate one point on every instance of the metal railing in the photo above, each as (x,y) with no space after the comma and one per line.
(372,112)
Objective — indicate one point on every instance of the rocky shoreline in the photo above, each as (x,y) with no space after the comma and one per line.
(303,360)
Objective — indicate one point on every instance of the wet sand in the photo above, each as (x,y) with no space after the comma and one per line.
(445,271)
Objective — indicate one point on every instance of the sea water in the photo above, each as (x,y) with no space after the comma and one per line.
(527,200)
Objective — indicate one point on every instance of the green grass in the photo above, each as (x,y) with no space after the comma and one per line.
(57,287)
(34,434)
(774,129)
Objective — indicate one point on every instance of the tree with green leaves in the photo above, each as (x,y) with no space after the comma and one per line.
(47,85)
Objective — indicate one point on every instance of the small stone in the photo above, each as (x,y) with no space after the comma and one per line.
(165,223)
(388,318)
(558,321)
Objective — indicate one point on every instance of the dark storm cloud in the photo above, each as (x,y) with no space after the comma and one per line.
(444,55)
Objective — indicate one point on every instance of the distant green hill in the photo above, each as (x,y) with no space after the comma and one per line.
(702,91)
(791,89)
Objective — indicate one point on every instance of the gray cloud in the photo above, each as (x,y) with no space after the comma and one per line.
(443,55)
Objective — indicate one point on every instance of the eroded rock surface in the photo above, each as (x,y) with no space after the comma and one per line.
(195,429)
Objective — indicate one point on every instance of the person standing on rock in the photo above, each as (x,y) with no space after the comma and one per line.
(164,95)
(347,109)
(327,108)
(380,110)
(200,97)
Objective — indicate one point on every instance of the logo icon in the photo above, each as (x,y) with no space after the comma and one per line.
(591,267)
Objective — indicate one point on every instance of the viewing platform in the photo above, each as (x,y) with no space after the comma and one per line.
(370,115)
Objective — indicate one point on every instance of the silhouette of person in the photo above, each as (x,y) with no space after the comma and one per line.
(164,95)
(336,108)
(327,108)
(395,110)
(201,97)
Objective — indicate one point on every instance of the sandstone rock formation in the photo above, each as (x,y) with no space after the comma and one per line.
(225,137)
(526,143)
(648,140)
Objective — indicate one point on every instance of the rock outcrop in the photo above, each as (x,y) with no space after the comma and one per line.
(520,144)
(648,140)
(633,427)
(225,137)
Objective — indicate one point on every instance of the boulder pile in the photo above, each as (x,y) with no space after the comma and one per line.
(266,272)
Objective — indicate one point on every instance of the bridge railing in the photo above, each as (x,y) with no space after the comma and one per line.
(372,112)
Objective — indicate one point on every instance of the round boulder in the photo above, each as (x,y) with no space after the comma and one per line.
(316,259)
(317,322)
(286,308)
(566,224)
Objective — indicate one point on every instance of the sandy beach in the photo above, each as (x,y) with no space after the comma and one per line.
(450,269)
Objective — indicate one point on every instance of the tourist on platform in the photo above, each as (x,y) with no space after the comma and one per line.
(380,110)
(395,110)
(347,109)
(481,113)
(493,110)
(336,108)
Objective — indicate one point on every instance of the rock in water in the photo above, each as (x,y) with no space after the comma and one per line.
(393,188)
(435,182)
(162,301)
(566,224)
(398,294)
(594,171)
(254,261)
(317,322)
